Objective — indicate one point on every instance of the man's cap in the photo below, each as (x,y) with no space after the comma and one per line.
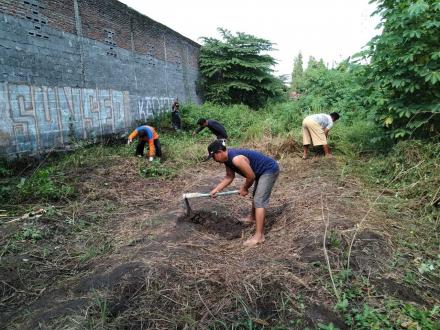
(215,146)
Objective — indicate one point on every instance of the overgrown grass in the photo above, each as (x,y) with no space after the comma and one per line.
(409,171)
(408,178)
(50,181)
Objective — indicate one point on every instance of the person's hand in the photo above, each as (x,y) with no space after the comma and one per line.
(129,141)
(213,193)
(244,191)
(194,133)
(150,159)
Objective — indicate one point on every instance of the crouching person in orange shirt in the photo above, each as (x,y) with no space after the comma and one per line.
(146,134)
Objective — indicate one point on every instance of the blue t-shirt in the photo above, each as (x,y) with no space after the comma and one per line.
(145,131)
(260,164)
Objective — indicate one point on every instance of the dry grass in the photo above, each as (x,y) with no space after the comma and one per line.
(162,270)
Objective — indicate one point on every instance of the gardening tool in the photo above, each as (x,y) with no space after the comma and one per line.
(188,196)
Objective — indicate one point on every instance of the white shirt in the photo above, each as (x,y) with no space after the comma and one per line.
(324,120)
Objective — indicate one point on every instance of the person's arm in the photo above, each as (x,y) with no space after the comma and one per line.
(328,127)
(227,180)
(198,130)
(132,136)
(242,163)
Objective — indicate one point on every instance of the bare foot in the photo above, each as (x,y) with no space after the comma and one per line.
(304,157)
(253,241)
(329,156)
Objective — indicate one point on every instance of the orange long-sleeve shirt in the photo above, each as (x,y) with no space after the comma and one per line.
(146,133)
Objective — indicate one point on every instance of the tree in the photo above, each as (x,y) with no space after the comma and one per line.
(234,70)
(297,73)
(314,64)
(405,67)
(337,89)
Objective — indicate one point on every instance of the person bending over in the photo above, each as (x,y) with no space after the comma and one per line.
(315,130)
(258,170)
(214,126)
(146,134)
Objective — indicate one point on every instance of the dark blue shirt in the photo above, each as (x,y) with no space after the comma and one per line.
(216,128)
(260,164)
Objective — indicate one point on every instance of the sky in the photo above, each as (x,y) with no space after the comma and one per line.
(327,29)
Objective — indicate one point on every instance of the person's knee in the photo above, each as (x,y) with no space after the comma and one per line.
(260,203)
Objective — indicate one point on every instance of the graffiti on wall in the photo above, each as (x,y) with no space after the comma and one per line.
(152,106)
(37,118)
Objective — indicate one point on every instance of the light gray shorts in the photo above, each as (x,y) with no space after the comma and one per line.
(263,189)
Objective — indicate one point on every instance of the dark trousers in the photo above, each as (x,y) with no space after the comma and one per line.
(141,145)
(175,120)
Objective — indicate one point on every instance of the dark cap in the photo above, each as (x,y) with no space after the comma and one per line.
(215,146)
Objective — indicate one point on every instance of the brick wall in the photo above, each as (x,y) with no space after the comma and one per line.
(84,68)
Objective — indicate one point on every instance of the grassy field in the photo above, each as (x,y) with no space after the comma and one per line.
(96,238)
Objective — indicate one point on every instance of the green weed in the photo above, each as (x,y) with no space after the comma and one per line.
(368,318)
(329,326)
(410,277)
(394,314)
(30,232)
(45,184)
(334,239)
(155,170)
(101,308)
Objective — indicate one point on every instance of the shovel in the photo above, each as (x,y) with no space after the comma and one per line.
(188,196)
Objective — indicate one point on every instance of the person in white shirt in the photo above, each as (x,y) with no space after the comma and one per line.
(315,130)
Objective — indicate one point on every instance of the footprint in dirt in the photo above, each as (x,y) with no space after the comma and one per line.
(213,222)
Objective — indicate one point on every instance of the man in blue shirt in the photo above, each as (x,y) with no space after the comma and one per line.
(255,168)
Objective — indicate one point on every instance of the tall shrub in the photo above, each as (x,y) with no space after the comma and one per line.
(404,72)
(236,70)
(297,72)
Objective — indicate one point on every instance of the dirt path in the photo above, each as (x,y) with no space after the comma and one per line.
(166,270)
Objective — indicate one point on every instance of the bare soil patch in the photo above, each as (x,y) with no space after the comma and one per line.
(215,223)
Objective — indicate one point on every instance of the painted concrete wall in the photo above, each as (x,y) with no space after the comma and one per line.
(40,118)
(81,69)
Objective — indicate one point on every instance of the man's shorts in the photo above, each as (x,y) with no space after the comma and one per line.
(313,132)
(263,189)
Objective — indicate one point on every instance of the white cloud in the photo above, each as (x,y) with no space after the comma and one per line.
(331,30)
